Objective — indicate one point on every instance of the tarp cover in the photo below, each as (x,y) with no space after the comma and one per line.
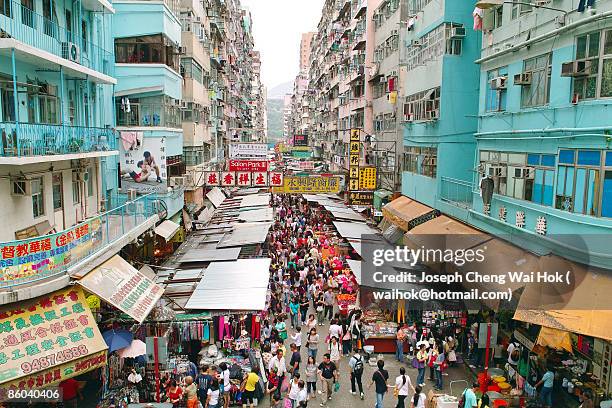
(262,214)
(167,229)
(402,210)
(354,229)
(210,255)
(255,200)
(233,286)
(246,234)
(216,196)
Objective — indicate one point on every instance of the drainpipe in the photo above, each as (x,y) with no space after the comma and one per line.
(15,98)
(551,130)
(546,36)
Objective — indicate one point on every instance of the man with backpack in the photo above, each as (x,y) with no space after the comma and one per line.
(356,364)
(468,398)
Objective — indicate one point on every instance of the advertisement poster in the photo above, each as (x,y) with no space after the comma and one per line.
(249,165)
(309,185)
(120,284)
(143,165)
(306,165)
(47,332)
(361,198)
(367,178)
(48,255)
(248,151)
(300,140)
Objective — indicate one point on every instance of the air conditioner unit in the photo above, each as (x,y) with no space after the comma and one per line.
(416,43)
(82,176)
(188,180)
(497,171)
(182,50)
(524,78)
(524,173)
(23,187)
(498,83)
(575,68)
(433,114)
(183,104)
(382,79)
(177,181)
(457,32)
(408,117)
(71,51)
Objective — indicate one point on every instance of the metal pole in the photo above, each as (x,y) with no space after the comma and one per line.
(488,350)
(15,99)
(156,360)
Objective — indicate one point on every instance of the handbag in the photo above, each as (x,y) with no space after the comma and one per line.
(336,386)
(415,362)
(452,357)
(395,392)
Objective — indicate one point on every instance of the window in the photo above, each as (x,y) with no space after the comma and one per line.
(90,182)
(579,183)
(597,48)
(191,69)
(6,99)
(48,103)
(148,49)
(496,98)
(38,198)
(433,45)
(378,90)
(421,160)
(57,191)
(538,93)
(418,5)
(27,12)
(69,22)
(76,191)
(193,155)
(50,18)
(5,8)
(543,177)
(84,34)
(421,106)
(519,8)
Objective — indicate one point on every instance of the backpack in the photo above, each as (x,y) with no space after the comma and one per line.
(358,369)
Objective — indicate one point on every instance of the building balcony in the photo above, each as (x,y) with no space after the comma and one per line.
(149,115)
(36,266)
(24,143)
(43,42)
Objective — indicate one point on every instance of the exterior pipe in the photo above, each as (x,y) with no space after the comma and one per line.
(545,36)
(15,100)
(551,130)
(545,137)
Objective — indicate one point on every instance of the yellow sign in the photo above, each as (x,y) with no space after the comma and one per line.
(354,172)
(41,334)
(301,148)
(354,147)
(393,97)
(354,159)
(308,185)
(354,135)
(353,184)
(367,178)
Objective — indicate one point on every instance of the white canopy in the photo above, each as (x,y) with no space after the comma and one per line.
(167,229)
(255,200)
(233,286)
(216,196)
(209,255)
(261,214)
(245,234)
(354,230)
(356,268)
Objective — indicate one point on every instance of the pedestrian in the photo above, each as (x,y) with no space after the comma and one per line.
(380,378)
(191,392)
(278,362)
(328,375)
(335,350)
(547,386)
(469,396)
(439,366)
(214,393)
(226,384)
(400,340)
(356,365)
(302,395)
(203,381)
(292,393)
(248,387)
(276,401)
(312,343)
(431,358)
(402,384)
(328,299)
(311,377)
(587,399)
(174,393)
(294,362)
(421,357)
(419,398)
(281,327)
(311,322)
(335,330)
(297,338)
(294,308)
(346,338)
(320,308)
(266,330)
(273,387)
(304,308)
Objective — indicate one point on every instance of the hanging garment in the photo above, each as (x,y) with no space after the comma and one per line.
(587,3)
(411,22)
(477,14)
(206,335)
(221,326)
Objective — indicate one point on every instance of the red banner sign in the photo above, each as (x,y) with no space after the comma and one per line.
(248,165)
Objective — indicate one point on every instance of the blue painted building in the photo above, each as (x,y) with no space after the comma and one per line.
(147,42)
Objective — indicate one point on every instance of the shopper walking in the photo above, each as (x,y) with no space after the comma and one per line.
(335,350)
(356,365)
(311,377)
(328,375)
(439,366)
(546,382)
(328,299)
(213,395)
(421,358)
(380,378)
(312,343)
(400,340)
(250,381)
(419,398)
(402,385)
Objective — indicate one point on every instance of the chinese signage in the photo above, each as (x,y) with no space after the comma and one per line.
(46,338)
(354,149)
(244,178)
(248,151)
(300,140)
(50,254)
(367,178)
(302,185)
(301,154)
(248,165)
(144,162)
(306,165)
(361,198)
(121,285)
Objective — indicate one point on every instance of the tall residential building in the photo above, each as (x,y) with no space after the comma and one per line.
(305,49)
(59,149)
(287,119)
(257,102)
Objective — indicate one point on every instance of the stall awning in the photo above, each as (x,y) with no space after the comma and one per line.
(124,287)
(355,268)
(167,229)
(245,234)
(585,307)
(554,338)
(402,210)
(241,285)
(48,320)
(255,200)
(262,214)
(216,196)
(210,255)
(354,229)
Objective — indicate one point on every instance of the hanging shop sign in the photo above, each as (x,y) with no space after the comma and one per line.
(302,185)
(354,152)
(300,140)
(123,286)
(248,151)
(50,254)
(306,165)
(361,198)
(301,154)
(367,178)
(300,148)
(248,165)
(244,179)
(48,339)
(143,160)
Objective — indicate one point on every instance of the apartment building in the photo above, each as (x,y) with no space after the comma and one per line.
(59,147)
(257,102)
(305,50)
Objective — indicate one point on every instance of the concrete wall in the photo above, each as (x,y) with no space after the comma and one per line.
(136,18)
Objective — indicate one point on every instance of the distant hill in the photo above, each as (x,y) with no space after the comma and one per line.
(279,91)
(275,118)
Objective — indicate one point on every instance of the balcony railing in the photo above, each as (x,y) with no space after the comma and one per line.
(31,139)
(39,32)
(52,255)
(456,192)
(149,115)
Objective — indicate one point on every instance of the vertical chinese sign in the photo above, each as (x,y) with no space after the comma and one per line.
(354,150)
(46,340)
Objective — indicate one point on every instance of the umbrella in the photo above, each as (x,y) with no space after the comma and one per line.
(137,348)
(117,339)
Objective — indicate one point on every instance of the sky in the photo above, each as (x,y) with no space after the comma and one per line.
(277,27)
